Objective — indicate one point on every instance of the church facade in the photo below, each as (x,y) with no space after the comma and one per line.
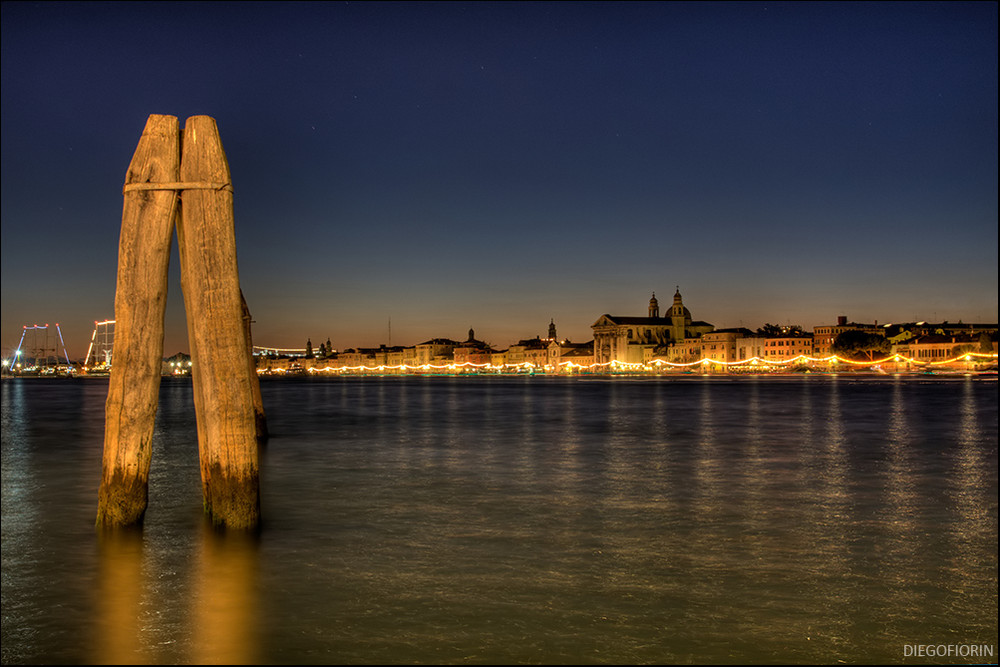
(636,340)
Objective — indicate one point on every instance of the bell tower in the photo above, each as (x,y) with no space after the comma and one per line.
(677,318)
(654,306)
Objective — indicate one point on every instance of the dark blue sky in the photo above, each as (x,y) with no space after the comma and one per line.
(495,165)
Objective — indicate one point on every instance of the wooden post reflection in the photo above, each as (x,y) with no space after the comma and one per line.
(225,626)
(120,585)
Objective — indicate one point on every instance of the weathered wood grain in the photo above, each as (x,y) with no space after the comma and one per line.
(224,400)
(140,300)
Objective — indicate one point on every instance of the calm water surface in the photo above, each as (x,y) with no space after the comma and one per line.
(523,520)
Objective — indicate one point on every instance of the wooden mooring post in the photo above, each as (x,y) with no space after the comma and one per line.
(140,301)
(184,181)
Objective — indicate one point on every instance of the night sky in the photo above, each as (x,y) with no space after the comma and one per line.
(497,165)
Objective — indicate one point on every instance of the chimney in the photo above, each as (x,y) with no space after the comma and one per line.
(842,320)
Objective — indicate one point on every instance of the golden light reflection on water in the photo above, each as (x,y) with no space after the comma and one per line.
(973,546)
(833,588)
(225,612)
(223,622)
(898,548)
(118,640)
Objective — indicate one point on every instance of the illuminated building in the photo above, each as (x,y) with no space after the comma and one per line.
(565,352)
(721,344)
(473,351)
(938,347)
(775,348)
(358,356)
(534,351)
(399,355)
(900,333)
(435,351)
(823,336)
(682,352)
(634,340)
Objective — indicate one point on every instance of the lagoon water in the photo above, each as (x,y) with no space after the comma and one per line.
(520,520)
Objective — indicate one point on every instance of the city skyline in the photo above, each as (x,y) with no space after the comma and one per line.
(104,334)
(500,165)
(542,331)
